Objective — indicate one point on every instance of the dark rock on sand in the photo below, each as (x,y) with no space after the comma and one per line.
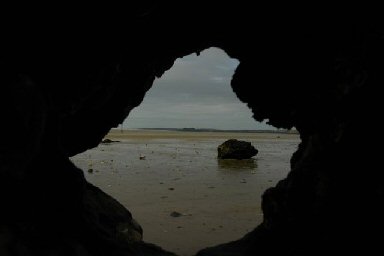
(107,141)
(236,149)
(176,214)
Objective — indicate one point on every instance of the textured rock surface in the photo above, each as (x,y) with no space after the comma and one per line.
(66,79)
(236,149)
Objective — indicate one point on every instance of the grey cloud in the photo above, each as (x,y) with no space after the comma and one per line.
(195,92)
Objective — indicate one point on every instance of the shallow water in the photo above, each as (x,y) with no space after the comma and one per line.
(219,200)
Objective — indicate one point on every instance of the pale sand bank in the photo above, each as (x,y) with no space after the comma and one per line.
(219,200)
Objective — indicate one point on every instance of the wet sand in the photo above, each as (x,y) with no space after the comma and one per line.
(215,201)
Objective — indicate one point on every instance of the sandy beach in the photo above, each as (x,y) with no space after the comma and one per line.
(175,187)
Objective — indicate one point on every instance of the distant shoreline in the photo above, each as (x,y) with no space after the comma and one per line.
(212,130)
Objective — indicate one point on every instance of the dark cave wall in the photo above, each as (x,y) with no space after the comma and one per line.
(66,84)
(328,89)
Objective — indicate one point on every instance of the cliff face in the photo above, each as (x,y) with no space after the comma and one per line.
(67,79)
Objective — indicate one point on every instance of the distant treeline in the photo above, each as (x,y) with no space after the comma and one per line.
(218,130)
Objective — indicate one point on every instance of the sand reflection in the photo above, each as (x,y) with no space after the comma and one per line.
(234,164)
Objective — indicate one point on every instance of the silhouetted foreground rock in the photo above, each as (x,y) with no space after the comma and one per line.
(236,149)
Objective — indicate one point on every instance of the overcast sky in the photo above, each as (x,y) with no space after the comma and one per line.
(195,93)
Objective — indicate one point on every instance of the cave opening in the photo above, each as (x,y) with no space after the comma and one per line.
(168,174)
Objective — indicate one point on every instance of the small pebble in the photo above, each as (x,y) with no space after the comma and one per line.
(176,214)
